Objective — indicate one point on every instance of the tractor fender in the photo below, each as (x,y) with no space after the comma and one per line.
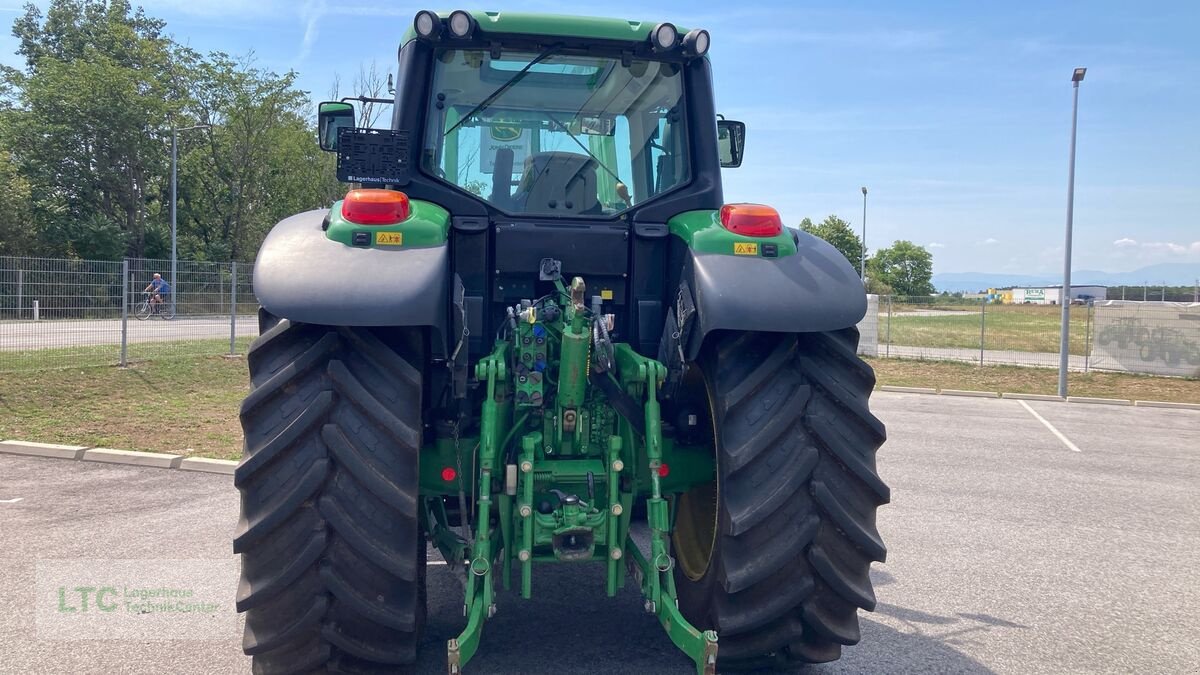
(303,276)
(813,290)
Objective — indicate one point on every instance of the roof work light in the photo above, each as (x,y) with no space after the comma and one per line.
(664,37)
(461,24)
(427,25)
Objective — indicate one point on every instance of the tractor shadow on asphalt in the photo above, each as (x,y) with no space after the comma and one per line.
(902,639)
(570,626)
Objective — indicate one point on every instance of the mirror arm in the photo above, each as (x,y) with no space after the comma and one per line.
(366,99)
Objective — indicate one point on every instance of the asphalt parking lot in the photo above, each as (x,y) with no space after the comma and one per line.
(1058,542)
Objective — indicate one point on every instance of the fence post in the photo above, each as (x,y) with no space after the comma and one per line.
(124,311)
(982,327)
(20,292)
(888,348)
(1087,338)
(232,307)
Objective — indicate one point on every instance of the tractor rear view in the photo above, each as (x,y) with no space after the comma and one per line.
(536,328)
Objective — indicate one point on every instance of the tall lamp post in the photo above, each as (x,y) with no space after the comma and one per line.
(174,175)
(862,259)
(1065,298)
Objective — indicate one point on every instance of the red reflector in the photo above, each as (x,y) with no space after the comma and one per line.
(375,207)
(449,474)
(752,220)
(663,470)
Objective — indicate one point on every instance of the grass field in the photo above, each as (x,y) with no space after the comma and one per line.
(951,375)
(179,404)
(1025,328)
(188,405)
(85,356)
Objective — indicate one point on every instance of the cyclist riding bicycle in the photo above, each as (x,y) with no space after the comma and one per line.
(160,288)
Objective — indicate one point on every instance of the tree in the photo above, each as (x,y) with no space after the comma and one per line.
(905,267)
(838,233)
(258,164)
(17,235)
(85,138)
(87,120)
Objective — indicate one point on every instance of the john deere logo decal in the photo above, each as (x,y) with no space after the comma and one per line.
(505,134)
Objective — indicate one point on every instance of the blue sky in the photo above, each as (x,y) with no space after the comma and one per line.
(956,116)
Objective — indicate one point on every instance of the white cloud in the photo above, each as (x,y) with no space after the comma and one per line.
(989,241)
(934,244)
(1124,241)
(1169,247)
(311,13)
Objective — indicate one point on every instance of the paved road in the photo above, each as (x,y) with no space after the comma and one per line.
(1009,552)
(27,335)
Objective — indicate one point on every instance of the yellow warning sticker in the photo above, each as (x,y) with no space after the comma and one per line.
(389,238)
(744,248)
(606,294)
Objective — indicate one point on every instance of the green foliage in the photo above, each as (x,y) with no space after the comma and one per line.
(837,232)
(877,287)
(16,232)
(905,267)
(85,141)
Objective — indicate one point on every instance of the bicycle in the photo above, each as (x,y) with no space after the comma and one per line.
(164,309)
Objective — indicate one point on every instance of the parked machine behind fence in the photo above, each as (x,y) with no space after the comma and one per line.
(539,314)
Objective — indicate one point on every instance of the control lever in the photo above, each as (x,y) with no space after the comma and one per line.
(569,500)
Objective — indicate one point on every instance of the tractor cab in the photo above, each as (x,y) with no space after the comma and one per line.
(577,145)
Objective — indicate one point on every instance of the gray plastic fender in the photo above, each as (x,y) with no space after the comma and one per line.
(303,276)
(814,290)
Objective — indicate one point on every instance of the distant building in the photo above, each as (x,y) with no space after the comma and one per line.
(1050,295)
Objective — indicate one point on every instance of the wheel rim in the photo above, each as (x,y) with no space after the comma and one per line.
(697,516)
(696,530)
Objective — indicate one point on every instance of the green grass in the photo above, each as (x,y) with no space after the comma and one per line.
(1016,379)
(177,404)
(1024,328)
(188,405)
(110,355)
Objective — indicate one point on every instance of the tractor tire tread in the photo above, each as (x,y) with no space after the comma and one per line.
(798,491)
(332,554)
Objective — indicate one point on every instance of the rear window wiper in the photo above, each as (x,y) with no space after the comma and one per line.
(491,98)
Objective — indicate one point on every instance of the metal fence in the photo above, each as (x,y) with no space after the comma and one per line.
(68,313)
(1161,338)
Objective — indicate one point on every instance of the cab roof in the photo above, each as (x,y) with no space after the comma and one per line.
(555,25)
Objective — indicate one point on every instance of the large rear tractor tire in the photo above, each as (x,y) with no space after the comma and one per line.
(333,560)
(775,555)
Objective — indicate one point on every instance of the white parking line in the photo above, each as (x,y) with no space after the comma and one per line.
(11,501)
(1066,441)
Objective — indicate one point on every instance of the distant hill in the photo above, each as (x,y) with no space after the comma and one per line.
(1171,274)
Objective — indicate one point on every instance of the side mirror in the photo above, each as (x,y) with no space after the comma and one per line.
(731,140)
(332,117)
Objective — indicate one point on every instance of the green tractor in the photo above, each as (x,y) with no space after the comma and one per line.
(537,328)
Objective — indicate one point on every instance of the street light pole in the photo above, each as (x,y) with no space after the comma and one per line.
(862,260)
(174,178)
(1065,298)
(174,136)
